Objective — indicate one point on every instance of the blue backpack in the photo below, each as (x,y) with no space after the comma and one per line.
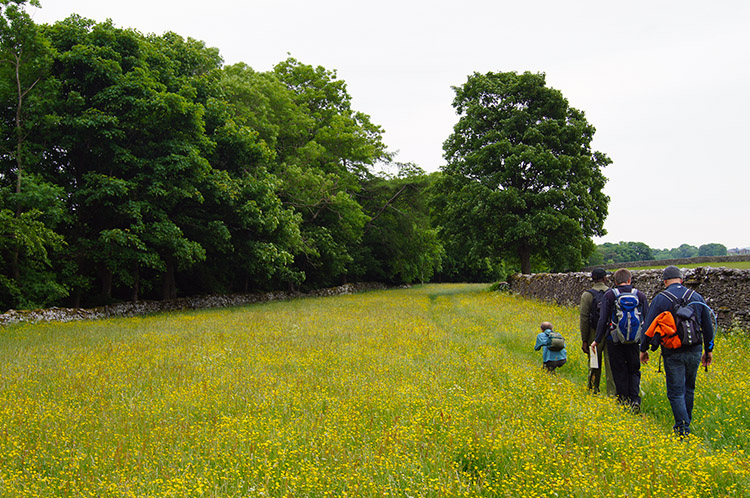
(627,322)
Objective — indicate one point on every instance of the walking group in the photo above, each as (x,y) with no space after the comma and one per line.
(618,329)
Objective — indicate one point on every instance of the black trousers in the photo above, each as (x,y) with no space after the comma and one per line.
(553,364)
(624,359)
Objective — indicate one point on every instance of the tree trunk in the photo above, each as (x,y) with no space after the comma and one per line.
(19,133)
(136,283)
(524,253)
(15,268)
(105,277)
(169,287)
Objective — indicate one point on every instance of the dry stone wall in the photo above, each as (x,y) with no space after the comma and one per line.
(188,303)
(726,290)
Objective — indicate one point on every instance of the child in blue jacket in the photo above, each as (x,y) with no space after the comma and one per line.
(550,359)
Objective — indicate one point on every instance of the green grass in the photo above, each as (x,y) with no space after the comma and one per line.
(745,265)
(430,391)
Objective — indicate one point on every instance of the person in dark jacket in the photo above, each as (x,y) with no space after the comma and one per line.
(681,364)
(623,358)
(588,333)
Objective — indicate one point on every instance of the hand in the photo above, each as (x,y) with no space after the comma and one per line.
(644,357)
(585,347)
(707,359)
(593,347)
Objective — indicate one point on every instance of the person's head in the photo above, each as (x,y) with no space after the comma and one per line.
(671,275)
(546,326)
(623,276)
(599,274)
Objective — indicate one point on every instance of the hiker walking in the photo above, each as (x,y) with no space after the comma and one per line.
(680,310)
(621,322)
(552,344)
(591,301)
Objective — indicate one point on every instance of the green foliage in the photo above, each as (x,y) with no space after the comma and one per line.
(521,179)
(151,170)
(399,243)
(622,252)
(685,251)
(30,207)
(712,250)
(323,168)
(25,246)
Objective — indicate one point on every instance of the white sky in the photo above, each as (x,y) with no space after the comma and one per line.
(665,83)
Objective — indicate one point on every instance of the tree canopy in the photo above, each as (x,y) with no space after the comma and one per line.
(139,166)
(624,252)
(521,180)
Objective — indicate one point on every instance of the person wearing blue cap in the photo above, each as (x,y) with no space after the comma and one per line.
(681,364)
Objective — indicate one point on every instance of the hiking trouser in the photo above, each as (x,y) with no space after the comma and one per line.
(553,364)
(611,390)
(681,370)
(595,374)
(626,371)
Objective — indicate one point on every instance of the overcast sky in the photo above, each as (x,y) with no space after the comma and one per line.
(665,83)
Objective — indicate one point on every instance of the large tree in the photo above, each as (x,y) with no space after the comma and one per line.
(30,207)
(323,160)
(712,249)
(167,190)
(521,180)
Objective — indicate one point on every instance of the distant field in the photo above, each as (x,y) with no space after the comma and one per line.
(730,264)
(433,391)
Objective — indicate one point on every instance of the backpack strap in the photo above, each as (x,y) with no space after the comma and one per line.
(685,299)
(549,336)
(688,296)
(672,298)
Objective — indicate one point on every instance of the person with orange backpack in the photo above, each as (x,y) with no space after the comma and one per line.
(679,322)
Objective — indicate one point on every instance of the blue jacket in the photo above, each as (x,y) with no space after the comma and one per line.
(541,342)
(662,303)
(608,305)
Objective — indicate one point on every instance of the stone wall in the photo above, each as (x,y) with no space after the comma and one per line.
(188,303)
(726,290)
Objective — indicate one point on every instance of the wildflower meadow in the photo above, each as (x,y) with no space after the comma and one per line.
(424,392)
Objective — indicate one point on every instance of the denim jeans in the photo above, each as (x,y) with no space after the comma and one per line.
(682,369)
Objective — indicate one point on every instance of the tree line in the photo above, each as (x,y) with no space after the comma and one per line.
(140,166)
(624,252)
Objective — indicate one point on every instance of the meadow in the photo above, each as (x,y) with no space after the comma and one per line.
(424,392)
(742,265)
